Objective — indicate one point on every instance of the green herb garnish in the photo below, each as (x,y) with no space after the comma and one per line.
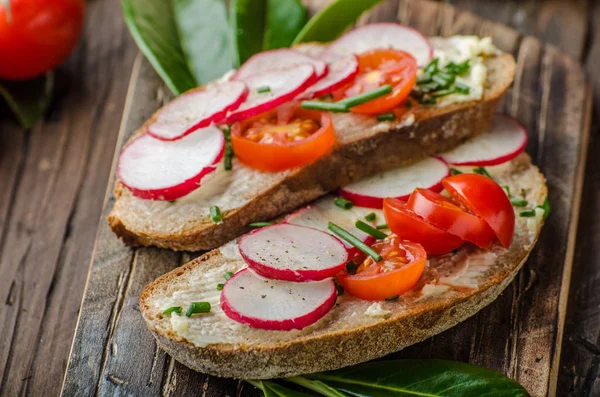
(518,202)
(366,96)
(384,226)
(343,203)
(227,158)
(356,242)
(220,286)
(173,309)
(527,213)
(462,88)
(454,171)
(370,230)
(227,275)
(432,67)
(392,298)
(260,224)
(325,106)
(197,307)
(371,217)
(215,214)
(386,116)
(482,171)
(263,89)
(546,207)
(506,189)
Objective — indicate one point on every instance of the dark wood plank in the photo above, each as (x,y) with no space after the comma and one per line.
(517,334)
(49,231)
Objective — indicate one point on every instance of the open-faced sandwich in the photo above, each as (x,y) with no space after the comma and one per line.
(293,124)
(383,264)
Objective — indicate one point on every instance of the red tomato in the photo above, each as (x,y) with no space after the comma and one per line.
(409,226)
(275,141)
(380,67)
(399,270)
(484,197)
(445,214)
(37,35)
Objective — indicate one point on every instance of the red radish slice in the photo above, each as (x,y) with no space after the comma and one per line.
(276,59)
(293,253)
(319,214)
(397,183)
(341,72)
(381,35)
(196,109)
(284,84)
(158,170)
(274,304)
(506,139)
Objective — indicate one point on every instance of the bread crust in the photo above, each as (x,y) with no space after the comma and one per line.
(316,352)
(377,148)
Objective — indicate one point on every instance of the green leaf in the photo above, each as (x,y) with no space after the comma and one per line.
(316,386)
(153,27)
(285,19)
(247,20)
(421,378)
(28,99)
(204,37)
(329,23)
(281,391)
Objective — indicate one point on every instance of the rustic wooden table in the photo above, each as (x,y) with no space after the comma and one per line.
(54,178)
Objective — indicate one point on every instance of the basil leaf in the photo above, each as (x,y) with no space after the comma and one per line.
(153,27)
(285,19)
(420,378)
(204,36)
(28,99)
(247,25)
(329,23)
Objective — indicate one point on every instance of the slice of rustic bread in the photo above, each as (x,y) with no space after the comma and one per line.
(452,288)
(365,146)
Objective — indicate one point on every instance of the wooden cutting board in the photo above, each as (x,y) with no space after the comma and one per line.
(519,334)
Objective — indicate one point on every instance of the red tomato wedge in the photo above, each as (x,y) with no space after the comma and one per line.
(446,215)
(399,270)
(380,67)
(484,197)
(276,141)
(409,226)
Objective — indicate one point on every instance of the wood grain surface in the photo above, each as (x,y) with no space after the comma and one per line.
(53,178)
(520,334)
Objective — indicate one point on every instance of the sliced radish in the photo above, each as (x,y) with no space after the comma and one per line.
(276,59)
(293,253)
(284,84)
(274,304)
(319,214)
(341,72)
(381,35)
(506,139)
(196,109)
(159,170)
(397,183)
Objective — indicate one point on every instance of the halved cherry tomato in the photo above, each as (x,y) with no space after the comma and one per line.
(399,270)
(276,141)
(484,197)
(409,226)
(445,214)
(380,67)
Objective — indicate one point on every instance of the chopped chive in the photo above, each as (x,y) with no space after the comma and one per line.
(344,235)
(518,202)
(426,78)
(215,214)
(365,96)
(326,106)
(546,207)
(340,289)
(429,87)
(381,227)
(392,298)
(173,309)
(351,267)
(432,67)
(454,171)
(197,307)
(370,230)
(343,203)
(227,275)
(227,158)
(371,217)
(386,116)
(428,101)
(443,80)
(482,171)
(506,189)
(260,224)
(459,68)
(263,89)
(220,286)
(461,88)
(527,213)
(439,94)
